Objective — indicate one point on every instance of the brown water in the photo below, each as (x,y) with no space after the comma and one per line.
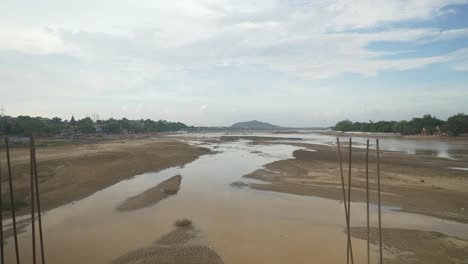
(242,225)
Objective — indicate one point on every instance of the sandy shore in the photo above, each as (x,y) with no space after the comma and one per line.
(153,195)
(416,184)
(414,246)
(72,171)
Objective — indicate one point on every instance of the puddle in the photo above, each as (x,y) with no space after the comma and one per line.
(241,225)
(458,168)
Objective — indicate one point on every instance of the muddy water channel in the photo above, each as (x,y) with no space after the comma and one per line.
(240,224)
(429,147)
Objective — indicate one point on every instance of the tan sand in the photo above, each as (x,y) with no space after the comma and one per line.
(153,195)
(414,246)
(179,246)
(417,184)
(69,172)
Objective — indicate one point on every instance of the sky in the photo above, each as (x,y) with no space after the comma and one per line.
(216,62)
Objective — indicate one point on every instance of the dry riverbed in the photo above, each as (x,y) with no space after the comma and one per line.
(75,170)
(228,217)
(69,172)
(416,184)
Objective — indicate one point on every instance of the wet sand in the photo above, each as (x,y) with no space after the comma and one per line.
(416,184)
(179,246)
(414,246)
(152,196)
(242,225)
(69,172)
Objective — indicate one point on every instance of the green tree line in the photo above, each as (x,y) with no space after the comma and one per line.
(39,126)
(454,125)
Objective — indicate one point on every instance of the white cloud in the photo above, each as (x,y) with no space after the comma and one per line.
(33,40)
(190,50)
(203,108)
(299,37)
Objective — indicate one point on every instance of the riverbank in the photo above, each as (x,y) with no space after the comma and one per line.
(241,225)
(417,184)
(415,246)
(74,170)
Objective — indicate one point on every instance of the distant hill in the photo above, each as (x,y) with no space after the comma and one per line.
(254,124)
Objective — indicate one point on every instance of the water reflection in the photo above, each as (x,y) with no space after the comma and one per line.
(432,147)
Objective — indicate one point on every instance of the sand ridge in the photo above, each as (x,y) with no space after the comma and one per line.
(179,246)
(153,195)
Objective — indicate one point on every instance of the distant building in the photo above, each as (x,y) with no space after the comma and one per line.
(98,126)
(424,132)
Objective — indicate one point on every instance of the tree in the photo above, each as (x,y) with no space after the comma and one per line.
(55,126)
(344,125)
(429,124)
(86,126)
(111,126)
(457,124)
(26,125)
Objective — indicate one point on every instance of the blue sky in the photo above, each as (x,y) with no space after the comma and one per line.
(216,62)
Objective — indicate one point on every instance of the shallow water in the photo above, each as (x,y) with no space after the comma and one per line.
(441,149)
(242,225)
(458,168)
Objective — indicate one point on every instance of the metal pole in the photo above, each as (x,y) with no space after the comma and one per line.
(41,237)
(367,202)
(13,215)
(349,197)
(32,201)
(349,249)
(378,191)
(2,258)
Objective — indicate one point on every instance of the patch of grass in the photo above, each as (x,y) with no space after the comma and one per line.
(184,222)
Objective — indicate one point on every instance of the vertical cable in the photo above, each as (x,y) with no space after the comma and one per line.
(378,191)
(367,202)
(13,214)
(348,244)
(33,226)
(2,258)
(41,238)
(349,200)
